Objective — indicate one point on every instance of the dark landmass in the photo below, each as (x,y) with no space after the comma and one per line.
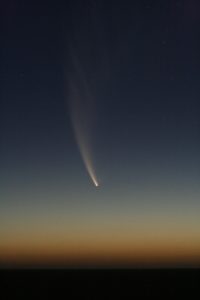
(101,283)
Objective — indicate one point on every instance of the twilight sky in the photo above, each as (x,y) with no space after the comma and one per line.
(108,88)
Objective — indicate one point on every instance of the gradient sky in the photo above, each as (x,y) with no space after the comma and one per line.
(142,65)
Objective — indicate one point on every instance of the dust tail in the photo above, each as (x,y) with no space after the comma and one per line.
(85,152)
(82,114)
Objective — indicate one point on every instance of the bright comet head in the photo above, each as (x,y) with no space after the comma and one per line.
(94,179)
(96,184)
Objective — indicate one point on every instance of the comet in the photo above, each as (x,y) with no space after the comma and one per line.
(81,104)
(87,69)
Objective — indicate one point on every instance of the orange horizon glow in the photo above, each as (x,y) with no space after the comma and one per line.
(101,251)
(99,236)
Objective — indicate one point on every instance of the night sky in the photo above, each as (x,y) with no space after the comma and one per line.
(113,85)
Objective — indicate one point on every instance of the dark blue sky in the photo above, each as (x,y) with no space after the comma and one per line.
(140,62)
